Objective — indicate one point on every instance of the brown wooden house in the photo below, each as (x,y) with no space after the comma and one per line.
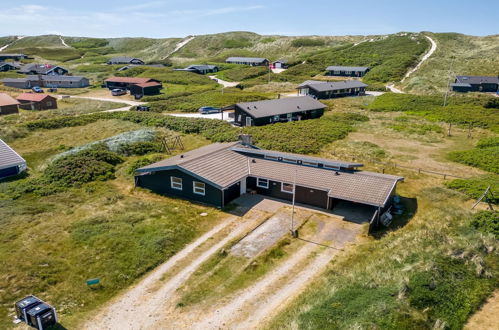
(31,101)
(8,104)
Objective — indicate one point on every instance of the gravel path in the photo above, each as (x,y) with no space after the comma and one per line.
(64,42)
(258,303)
(411,71)
(142,306)
(225,83)
(179,45)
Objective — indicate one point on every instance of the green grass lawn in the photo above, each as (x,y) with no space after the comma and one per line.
(50,245)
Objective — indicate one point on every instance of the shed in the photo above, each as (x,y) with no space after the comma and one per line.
(10,161)
(37,101)
(280,64)
(279,110)
(127,82)
(147,88)
(8,104)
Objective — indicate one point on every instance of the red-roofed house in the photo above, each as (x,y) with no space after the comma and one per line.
(126,82)
(8,104)
(32,101)
(147,88)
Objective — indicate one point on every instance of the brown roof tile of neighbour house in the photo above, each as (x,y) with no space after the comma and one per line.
(8,157)
(130,80)
(148,84)
(323,86)
(226,163)
(275,107)
(32,97)
(6,99)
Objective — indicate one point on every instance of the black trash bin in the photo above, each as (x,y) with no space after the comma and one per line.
(41,316)
(24,305)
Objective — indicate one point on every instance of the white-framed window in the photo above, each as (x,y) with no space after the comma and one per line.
(198,188)
(307,163)
(289,160)
(176,183)
(262,183)
(287,187)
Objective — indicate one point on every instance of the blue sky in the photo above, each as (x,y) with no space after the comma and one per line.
(178,18)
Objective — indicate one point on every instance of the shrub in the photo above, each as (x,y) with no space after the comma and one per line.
(484,158)
(307,42)
(419,129)
(492,103)
(144,161)
(304,137)
(86,166)
(236,43)
(487,222)
(488,142)
(140,148)
(90,43)
(475,187)
(449,291)
(243,73)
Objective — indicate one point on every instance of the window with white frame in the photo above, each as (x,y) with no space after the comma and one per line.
(176,183)
(287,187)
(289,160)
(198,188)
(262,183)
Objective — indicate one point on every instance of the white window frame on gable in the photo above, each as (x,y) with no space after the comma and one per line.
(331,167)
(200,189)
(176,185)
(288,184)
(262,183)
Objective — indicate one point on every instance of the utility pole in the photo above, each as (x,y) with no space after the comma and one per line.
(293,232)
(447,93)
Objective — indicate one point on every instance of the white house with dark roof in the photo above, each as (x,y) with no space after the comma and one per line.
(11,163)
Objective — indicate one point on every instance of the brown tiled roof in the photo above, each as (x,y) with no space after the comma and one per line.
(148,84)
(130,80)
(222,165)
(6,99)
(32,97)
(358,186)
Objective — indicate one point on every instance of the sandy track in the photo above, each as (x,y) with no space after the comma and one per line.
(258,303)
(134,309)
(433,48)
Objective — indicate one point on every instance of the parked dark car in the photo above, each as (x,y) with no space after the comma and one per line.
(118,92)
(208,110)
(37,89)
(143,108)
(53,89)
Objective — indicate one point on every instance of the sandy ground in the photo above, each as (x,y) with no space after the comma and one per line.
(425,57)
(143,305)
(487,318)
(411,71)
(207,116)
(225,83)
(260,302)
(108,99)
(179,45)
(151,304)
